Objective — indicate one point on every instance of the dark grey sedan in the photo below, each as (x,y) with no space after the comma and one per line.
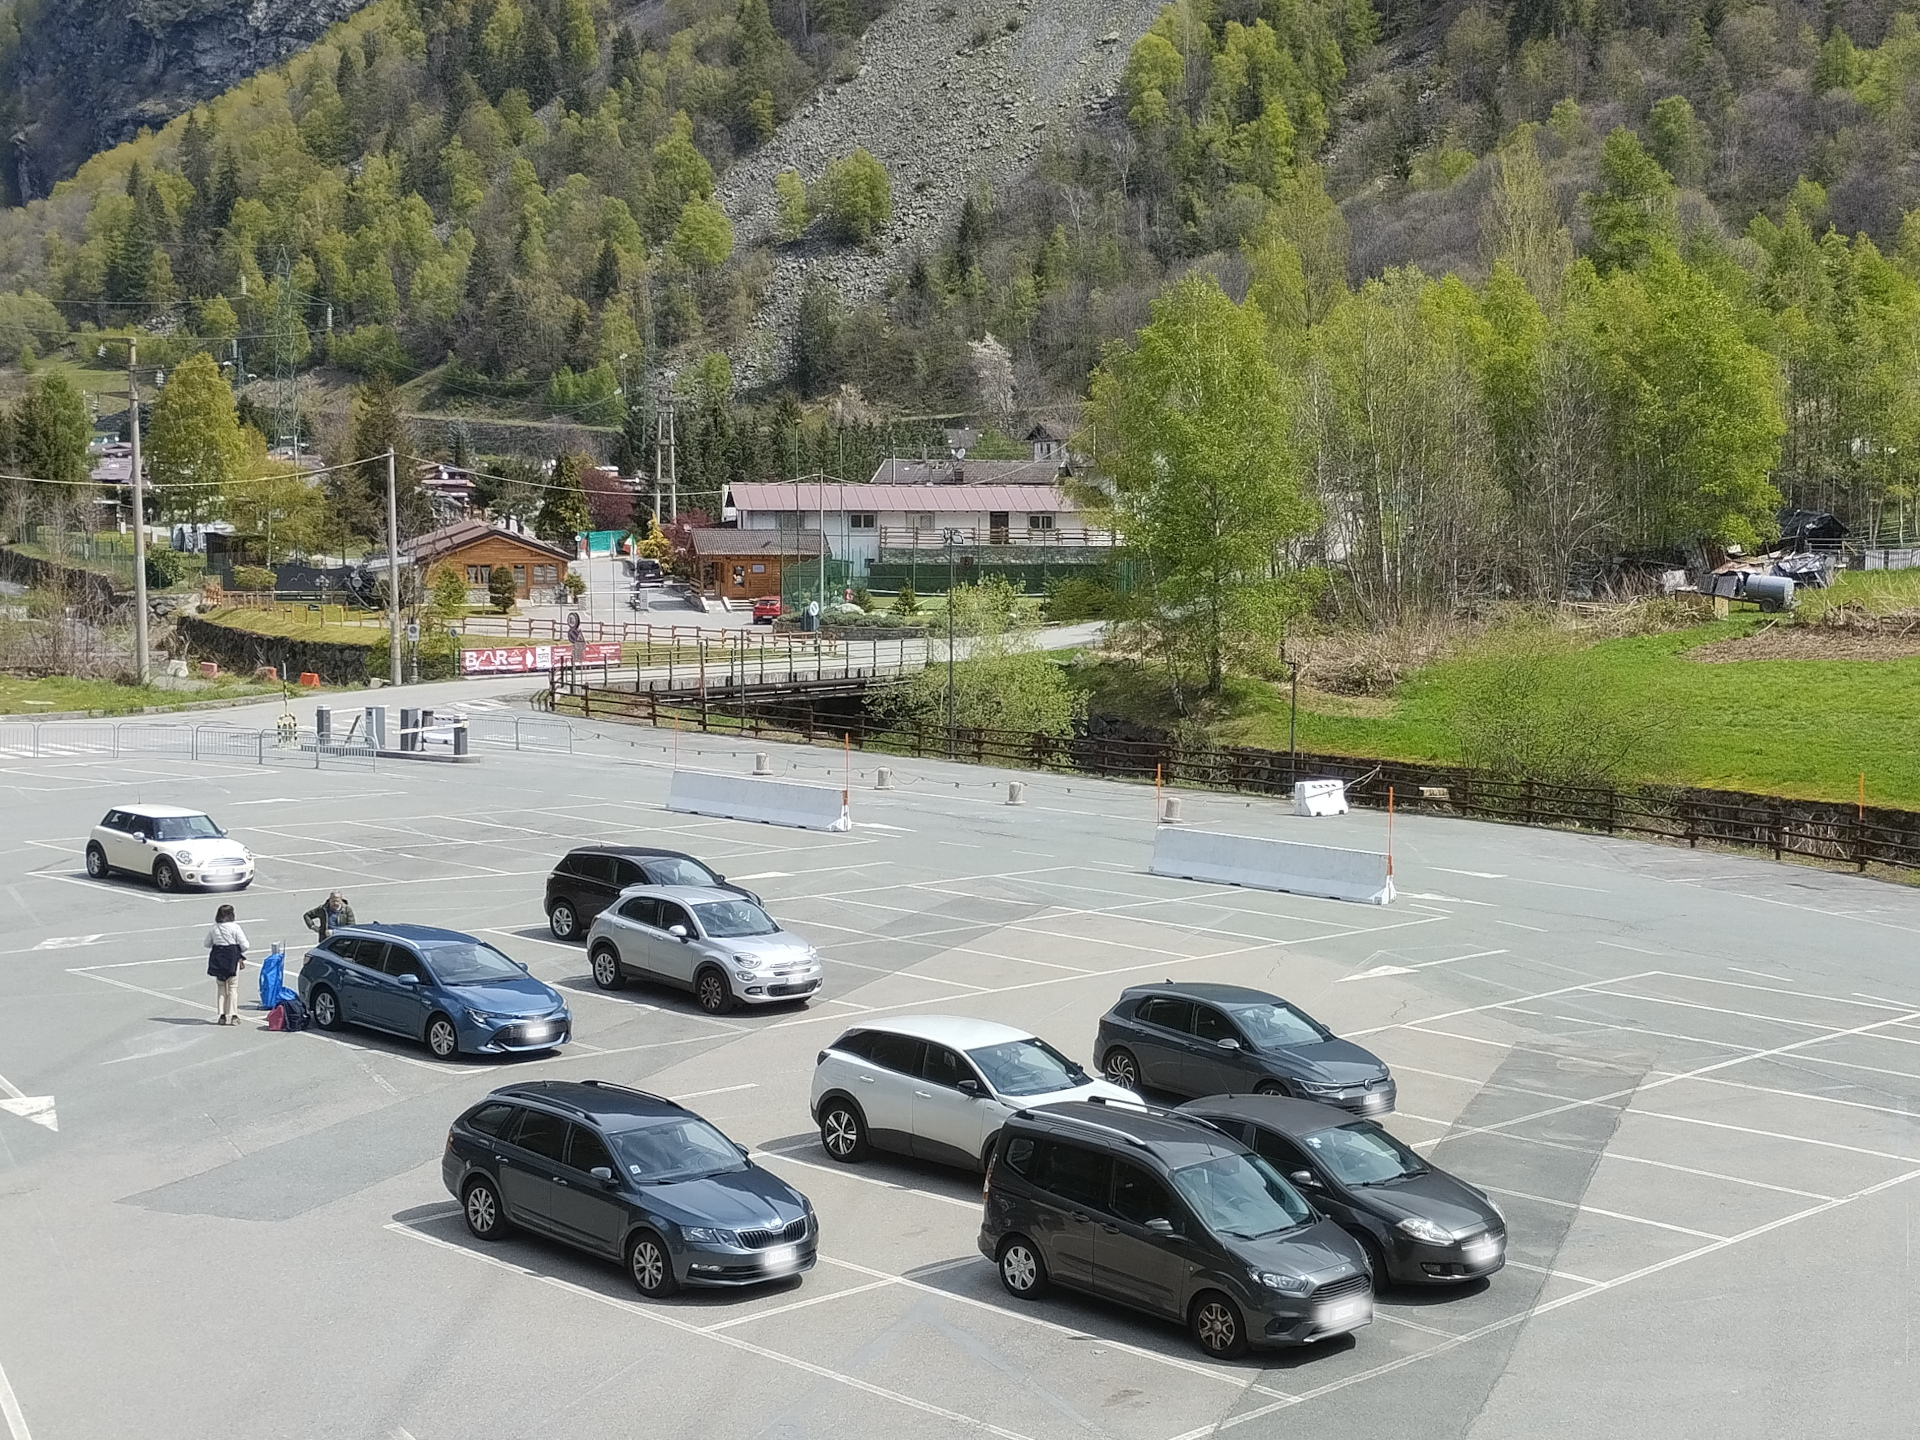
(1418,1224)
(1199,1039)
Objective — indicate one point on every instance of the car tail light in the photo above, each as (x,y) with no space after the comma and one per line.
(821,1058)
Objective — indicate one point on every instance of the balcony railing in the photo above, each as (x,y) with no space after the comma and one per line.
(902,537)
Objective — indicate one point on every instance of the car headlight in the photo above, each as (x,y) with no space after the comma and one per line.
(1283,1284)
(1314,1087)
(183,855)
(1421,1228)
(707,1235)
(485,1017)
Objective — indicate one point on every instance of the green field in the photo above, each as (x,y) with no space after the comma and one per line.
(58,694)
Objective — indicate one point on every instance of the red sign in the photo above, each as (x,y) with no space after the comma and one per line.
(531,659)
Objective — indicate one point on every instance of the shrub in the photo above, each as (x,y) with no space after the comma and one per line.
(371,349)
(1077,598)
(863,597)
(500,588)
(576,587)
(906,602)
(252,577)
(790,193)
(165,569)
(856,197)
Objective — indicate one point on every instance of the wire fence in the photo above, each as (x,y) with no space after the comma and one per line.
(1827,831)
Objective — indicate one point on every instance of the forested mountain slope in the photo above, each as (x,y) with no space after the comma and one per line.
(78,78)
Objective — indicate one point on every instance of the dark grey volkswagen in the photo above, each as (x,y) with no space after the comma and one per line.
(629,1176)
(1170,1215)
(1200,1039)
(1418,1224)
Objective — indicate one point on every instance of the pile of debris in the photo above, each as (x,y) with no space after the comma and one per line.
(1808,554)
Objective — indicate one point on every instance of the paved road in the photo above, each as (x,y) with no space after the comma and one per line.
(1689,1078)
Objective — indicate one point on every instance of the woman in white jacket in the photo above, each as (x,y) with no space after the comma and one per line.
(226,958)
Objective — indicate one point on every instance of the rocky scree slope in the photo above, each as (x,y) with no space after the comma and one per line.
(947,116)
(87,74)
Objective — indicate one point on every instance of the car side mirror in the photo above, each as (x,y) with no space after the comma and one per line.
(1304,1177)
(409,979)
(745,1153)
(1228,1043)
(971,1087)
(679,931)
(1160,1226)
(602,1174)
(523,966)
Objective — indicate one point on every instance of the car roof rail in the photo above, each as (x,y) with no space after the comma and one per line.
(1084,1124)
(629,1090)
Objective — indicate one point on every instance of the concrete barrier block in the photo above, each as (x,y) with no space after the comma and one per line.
(771,802)
(1319,797)
(1334,874)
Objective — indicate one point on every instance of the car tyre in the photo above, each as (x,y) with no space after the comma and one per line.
(1022,1271)
(97,865)
(987,1153)
(443,1039)
(606,969)
(843,1132)
(166,878)
(563,920)
(324,1007)
(1270,1087)
(1122,1069)
(1218,1326)
(650,1266)
(1376,1262)
(486,1217)
(711,989)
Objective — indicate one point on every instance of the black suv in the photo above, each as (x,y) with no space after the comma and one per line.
(1225,1040)
(586,880)
(1171,1216)
(629,1176)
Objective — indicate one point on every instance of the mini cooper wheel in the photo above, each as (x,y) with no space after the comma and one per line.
(650,1266)
(1122,1069)
(1218,1326)
(485,1216)
(324,1008)
(97,865)
(606,969)
(710,988)
(1022,1270)
(843,1132)
(166,879)
(443,1040)
(563,920)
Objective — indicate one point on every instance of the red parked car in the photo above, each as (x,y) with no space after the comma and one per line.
(766,610)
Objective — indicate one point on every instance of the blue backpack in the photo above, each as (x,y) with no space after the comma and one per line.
(273,977)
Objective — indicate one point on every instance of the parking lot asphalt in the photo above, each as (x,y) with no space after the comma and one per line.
(1689,1079)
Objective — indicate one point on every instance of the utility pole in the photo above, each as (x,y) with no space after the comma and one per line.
(140,664)
(953,540)
(393,577)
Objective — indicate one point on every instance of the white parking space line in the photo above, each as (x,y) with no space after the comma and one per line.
(1905,1112)
(1773,1135)
(1496,1004)
(1722,1010)
(1544,1270)
(10,1410)
(1625,1159)
(1596,1210)
(811,1300)
(972,1207)
(1635,1029)
(685,1327)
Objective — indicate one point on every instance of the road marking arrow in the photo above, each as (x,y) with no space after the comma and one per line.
(37,1108)
(68,942)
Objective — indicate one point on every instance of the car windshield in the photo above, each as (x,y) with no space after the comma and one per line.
(734,917)
(1242,1196)
(1363,1154)
(672,870)
(1278,1023)
(186,827)
(675,1150)
(1027,1067)
(470,963)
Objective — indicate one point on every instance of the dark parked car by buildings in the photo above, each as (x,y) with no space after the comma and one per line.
(457,994)
(1169,1215)
(1199,1039)
(629,1176)
(1418,1224)
(586,880)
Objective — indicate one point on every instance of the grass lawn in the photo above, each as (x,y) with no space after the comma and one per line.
(297,626)
(1801,728)
(58,694)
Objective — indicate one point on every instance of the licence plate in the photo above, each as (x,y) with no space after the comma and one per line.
(1374,1102)
(1341,1313)
(536,1032)
(1484,1250)
(780,1255)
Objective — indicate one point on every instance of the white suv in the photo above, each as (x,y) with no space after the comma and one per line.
(177,848)
(721,946)
(938,1087)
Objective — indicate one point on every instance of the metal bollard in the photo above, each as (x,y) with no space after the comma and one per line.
(761,764)
(376,726)
(460,738)
(1170,810)
(1016,793)
(409,729)
(885,779)
(323,725)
